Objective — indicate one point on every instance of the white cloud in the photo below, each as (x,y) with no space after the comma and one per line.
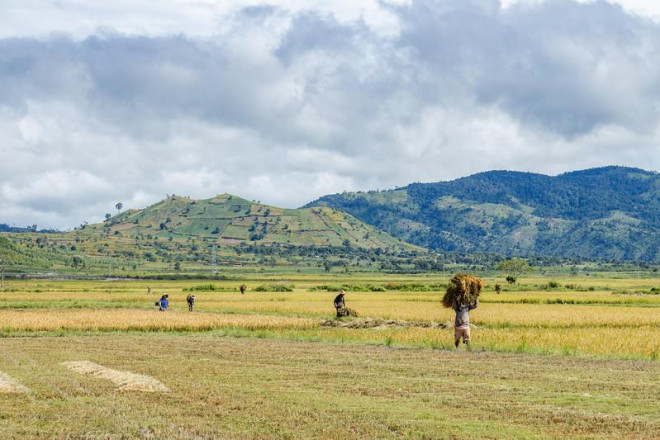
(289,102)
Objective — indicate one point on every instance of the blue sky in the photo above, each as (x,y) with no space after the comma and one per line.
(127,101)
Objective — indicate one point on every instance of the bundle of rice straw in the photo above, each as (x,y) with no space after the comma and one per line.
(348,312)
(464,289)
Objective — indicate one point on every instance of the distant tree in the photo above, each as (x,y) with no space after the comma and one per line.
(119,206)
(514,266)
(107,216)
(511,279)
(76,261)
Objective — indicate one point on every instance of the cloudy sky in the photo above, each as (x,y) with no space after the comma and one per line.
(106,101)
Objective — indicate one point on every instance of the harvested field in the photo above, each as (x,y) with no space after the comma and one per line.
(124,380)
(266,389)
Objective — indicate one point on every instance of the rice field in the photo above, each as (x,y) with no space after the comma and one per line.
(613,317)
(96,359)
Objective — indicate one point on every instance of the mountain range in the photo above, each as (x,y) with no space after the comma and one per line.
(600,214)
(609,213)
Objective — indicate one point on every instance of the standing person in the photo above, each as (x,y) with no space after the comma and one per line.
(340,303)
(462,321)
(242,288)
(190,299)
(163,303)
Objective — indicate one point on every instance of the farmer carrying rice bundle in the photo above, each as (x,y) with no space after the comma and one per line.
(462,295)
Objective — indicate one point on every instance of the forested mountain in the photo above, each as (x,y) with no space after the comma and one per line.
(610,213)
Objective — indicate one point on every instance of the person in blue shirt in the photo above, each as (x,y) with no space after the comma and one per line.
(163,303)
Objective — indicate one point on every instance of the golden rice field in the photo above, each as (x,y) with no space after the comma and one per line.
(610,320)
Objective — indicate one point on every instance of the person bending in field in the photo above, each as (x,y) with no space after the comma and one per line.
(340,304)
(190,299)
(462,321)
(242,289)
(163,303)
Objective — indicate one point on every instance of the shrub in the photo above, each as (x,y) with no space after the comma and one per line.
(202,288)
(274,288)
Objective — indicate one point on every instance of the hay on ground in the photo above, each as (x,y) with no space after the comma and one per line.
(125,380)
(10,385)
(462,289)
(345,311)
(379,323)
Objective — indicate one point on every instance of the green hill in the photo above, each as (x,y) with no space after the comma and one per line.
(12,255)
(231,220)
(610,213)
(183,234)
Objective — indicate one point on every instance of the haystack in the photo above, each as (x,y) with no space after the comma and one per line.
(463,289)
(345,311)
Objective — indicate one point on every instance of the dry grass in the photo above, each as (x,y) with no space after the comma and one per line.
(266,389)
(124,380)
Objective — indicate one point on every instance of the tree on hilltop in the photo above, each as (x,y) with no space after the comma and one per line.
(119,206)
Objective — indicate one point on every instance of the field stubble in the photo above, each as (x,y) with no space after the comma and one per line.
(253,388)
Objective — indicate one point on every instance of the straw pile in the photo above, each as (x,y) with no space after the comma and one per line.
(10,385)
(379,323)
(345,311)
(124,380)
(463,289)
